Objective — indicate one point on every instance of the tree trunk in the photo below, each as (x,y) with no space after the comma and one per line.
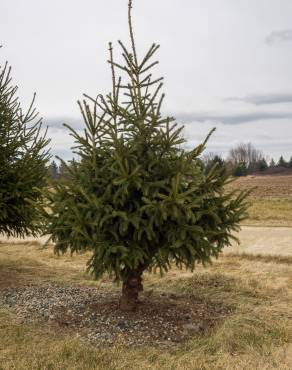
(132,285)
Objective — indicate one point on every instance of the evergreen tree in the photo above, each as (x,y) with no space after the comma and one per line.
(272,163)
(282,162)
(240,170)
(23,159)
(214,160)
(290,163)
(53,170)
(135,198)
(262,165)
(63,170)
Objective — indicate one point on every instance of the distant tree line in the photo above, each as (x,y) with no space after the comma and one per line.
(56,172)
(243,160)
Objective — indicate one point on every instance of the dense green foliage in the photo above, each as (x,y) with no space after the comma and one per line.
(53,170)
(58,172)
(136,198)
(210,162)
(282,162)
(240,170)
(23,161)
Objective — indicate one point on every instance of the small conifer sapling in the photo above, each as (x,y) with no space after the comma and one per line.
(135,198)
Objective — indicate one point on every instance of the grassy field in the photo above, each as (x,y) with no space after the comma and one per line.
(270,212)
(271,199)
(246,295)
(256,333)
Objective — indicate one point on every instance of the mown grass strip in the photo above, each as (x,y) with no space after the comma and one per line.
(268,258)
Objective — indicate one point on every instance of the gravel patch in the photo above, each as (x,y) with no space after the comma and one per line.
(93,315)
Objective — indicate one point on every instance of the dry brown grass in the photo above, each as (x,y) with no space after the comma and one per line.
(263,240)
(254,279)
(257,335)
(265,186)
(270,212)
(270,200)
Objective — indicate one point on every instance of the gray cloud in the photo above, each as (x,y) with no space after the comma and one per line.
(264,99)
(65,154)
(228,119)
(270,132)
(279,36)
(232,119)
(267,136)
(57,123)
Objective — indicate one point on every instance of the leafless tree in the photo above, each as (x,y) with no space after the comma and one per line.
(245,153)
(208,157)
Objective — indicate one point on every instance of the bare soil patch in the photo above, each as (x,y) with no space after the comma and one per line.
(93,315)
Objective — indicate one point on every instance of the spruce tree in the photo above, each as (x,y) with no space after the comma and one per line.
(23,158)
(262,165)
(240,170)
(282,162)
(214,159)
(63,169)
(53,170)
(135,198)
(272,163)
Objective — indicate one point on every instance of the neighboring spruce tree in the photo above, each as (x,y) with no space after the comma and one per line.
(240,170)
(63,169)
(272,163)
(53,170)
(262,165)
(136,199)
(23,159)
(282,162)
(218,161)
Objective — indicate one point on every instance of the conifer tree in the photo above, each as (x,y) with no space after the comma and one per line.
(53,170)
(23,159)
(215,160)
(63,169)
(282,162)
(262,164)
(136,199)
(240,170)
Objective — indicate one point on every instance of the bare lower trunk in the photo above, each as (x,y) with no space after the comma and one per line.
(132,285)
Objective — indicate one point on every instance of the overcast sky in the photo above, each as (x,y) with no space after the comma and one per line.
(226,63)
